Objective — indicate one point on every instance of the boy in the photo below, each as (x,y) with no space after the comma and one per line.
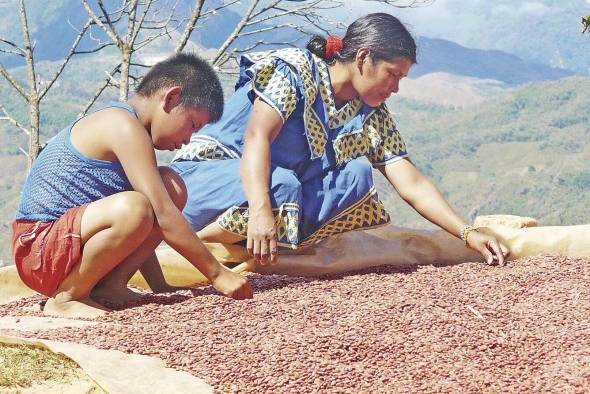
(95,205)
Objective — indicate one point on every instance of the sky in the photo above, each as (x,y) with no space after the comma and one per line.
(458,20)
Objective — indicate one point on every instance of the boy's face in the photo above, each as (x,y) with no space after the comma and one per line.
(172,125)
(171,130)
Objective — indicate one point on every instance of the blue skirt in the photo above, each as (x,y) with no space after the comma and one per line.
(339,200)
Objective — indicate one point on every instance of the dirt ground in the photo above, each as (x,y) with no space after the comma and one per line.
(468,328)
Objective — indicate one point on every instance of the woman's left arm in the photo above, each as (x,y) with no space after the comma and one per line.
(418,191)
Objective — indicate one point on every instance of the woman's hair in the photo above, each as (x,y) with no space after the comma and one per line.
(383,34)
(199,82)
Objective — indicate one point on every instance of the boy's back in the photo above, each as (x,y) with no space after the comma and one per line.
(63,177)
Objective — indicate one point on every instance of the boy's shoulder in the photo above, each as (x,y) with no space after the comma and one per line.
(103,133)
(114,120)
(116,116)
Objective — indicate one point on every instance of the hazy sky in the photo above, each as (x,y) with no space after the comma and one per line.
(457,20)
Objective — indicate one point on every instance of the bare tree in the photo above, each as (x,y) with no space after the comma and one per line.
(34,91)
(260,20)
(123,26)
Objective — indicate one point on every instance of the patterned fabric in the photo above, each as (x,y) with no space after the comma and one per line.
(368,212)
(206,148)
(321,183)
(386,143)
(235,220)
(62,178)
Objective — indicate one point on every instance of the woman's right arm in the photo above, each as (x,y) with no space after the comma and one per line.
(263,127)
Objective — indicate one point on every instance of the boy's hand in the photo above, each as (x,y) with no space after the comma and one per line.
(232,285)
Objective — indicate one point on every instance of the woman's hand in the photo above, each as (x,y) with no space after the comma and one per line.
(492,251)
(262,240)
(231,284)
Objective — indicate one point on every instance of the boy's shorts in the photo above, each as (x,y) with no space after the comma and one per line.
(45,252)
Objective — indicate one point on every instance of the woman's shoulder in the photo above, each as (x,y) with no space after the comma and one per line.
(297,60)
(289,55)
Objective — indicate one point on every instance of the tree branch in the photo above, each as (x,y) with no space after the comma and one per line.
(236,31)
(410,3)
(105,84)
(214,10)
(110,30)
(19,51)
(24,152)
(11,52)
(67,58)
(28,52)
(190,26)
(97,49)
(286,12)
(131,24)
(138,26)
(13,121)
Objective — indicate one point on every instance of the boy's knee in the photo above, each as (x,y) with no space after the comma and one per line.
(174,185)
(135,210)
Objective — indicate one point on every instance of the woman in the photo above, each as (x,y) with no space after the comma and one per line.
(286,165)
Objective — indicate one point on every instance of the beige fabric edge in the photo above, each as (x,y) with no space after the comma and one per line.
(11,287)
(388,245)
(403,247)
(118,372)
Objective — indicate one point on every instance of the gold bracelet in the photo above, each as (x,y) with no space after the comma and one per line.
(465,232)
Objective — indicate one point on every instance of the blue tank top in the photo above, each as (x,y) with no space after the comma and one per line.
(62,178)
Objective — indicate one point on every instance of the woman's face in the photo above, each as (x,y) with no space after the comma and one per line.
(376,80)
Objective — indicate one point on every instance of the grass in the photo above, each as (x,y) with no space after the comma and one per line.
(24,366)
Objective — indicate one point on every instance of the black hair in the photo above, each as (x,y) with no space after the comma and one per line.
(383,34)
(195,76)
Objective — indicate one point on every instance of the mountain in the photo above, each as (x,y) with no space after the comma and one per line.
(524,153)
(538,31)
(445,89)
(438,55)
(53,29)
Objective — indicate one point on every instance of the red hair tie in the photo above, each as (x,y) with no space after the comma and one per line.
(334,44)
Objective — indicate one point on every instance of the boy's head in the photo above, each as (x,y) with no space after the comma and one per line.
(186,94)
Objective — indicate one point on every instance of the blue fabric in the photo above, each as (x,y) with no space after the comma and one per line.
(321,181)
(62,178)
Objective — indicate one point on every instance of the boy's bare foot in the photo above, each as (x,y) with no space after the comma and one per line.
(115,296)
(83,307)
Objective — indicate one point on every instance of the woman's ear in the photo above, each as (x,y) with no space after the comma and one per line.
(362,55)
(172,98)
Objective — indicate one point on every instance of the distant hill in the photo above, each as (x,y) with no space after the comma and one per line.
(52,27)
(524,153)
(437,55)
(450,90)
(538,31)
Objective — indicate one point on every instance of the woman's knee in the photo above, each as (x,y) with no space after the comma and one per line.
(285,185)
(174,185)
(360,173)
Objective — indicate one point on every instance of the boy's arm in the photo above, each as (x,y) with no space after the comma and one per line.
(133,147)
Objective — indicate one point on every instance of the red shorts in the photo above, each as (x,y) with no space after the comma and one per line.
(45,252)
